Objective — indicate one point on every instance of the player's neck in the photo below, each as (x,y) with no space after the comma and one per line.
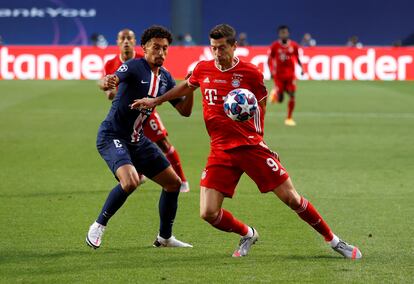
(228,65)
(155,69)
(127,56)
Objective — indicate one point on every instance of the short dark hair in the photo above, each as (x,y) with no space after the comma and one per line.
(224,31)
(282,27)
(155,32)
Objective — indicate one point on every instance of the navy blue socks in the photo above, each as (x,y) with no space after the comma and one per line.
(113,202)
(167,208)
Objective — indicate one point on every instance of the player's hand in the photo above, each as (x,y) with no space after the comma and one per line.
(145,103)
(109,82)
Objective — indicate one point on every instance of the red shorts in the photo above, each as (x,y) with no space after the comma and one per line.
(154,129)
(285,85)
(224,169)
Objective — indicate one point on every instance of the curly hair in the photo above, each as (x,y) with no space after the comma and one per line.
(224,31)
(155,32)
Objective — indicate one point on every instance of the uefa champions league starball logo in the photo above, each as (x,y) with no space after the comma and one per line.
(240,104)
(122,68)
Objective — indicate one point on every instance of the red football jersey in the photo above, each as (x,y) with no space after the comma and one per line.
(215,84)
(283,58)
(113,64)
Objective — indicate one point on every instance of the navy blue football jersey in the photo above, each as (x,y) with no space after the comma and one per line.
(136,81)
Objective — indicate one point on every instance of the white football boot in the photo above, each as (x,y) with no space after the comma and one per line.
(245,244)
(94,236)
(347,250)
(185,187)
(171,242)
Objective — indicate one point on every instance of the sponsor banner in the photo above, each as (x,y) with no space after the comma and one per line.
(320,63)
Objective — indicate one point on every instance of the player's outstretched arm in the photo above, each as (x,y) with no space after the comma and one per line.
(185,107)
(109,82)
(181,90)
(110,94)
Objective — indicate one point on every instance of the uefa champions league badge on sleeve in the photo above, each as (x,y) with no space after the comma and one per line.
(122,68)
(235,81)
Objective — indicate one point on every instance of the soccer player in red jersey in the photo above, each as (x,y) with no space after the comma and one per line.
(283,55)
(154,129)
(238,147)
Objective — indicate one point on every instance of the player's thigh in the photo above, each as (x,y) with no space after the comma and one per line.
(262,166)
(128,177)
(221,178)
(211,202)
(168,179)
(114,151)
(154,129)
(150,161)
(280,86)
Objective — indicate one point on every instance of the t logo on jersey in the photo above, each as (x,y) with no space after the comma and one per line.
(122,68)
(210,95)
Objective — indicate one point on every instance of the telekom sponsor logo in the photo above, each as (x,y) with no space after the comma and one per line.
(321,63)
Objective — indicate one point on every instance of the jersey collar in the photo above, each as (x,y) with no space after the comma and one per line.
(284,44)
(236,59)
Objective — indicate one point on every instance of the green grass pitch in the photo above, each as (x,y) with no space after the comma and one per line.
(352,155)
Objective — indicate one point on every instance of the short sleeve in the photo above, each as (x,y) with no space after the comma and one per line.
(126,71)
(194,79)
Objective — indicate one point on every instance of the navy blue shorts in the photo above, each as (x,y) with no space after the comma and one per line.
(145,156)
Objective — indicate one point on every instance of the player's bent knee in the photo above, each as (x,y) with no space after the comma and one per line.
(209,215)
(130,185)
(174,185)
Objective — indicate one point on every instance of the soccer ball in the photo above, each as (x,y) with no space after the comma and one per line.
(240,104)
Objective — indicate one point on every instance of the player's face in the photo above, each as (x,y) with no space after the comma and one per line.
(156,50)
(126,41)
(284,34)
(223,52)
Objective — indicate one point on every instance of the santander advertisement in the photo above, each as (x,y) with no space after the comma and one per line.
(320,63)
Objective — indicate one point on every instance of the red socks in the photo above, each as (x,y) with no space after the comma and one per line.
(291,107)
(225,221)
(310,215)
(175,162)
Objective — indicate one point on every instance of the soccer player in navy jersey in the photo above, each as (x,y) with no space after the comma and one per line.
(122,145)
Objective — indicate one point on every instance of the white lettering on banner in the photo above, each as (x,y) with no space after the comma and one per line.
(35,12)
(323,62)
(20,62)
(74,63)
(337,61)
(363,67)
(73,59)
(92,66)
(403,61)
(44,59)
(71,66)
